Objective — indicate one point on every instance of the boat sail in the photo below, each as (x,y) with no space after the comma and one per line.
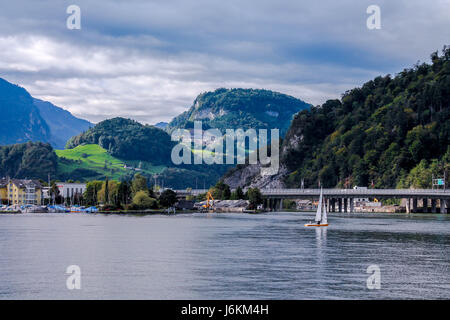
(321,214)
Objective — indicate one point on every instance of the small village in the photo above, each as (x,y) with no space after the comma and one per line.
(36,196)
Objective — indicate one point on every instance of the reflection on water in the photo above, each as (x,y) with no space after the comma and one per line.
(224,256)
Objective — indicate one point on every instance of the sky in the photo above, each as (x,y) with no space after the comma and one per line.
(149,59)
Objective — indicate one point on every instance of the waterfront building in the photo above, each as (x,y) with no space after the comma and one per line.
(70,190)
(3,191)
(24,192)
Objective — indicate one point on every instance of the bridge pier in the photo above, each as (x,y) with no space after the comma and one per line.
(339,205)
(414,205)
(345,205)
(408,205)
(425,205)
(352,205)
(333,205)
(433,206)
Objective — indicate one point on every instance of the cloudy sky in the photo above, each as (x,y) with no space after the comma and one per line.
(149,59)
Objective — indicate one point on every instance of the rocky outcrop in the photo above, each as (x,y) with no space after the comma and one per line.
(250,176)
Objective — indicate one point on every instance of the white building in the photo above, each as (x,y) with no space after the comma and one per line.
(68,190)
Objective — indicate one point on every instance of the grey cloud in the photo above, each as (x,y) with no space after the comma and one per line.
(148,60)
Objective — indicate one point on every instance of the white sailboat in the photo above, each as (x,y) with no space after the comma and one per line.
(321,214)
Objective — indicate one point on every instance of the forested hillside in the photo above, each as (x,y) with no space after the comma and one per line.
(129,140)
(32,160)
(391,132)
(241,108)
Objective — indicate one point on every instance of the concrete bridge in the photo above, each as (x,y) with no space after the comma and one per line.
(343,200)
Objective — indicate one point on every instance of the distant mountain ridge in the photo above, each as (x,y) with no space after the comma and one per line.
(63,125)
(24,118)
(20,119)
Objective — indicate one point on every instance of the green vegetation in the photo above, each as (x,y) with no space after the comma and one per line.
(240,108)
(390,132)
(93,161)
(237,194)
(31,160)
(167,198)
(129,140)
(142,200)
(255,198)
(221,191)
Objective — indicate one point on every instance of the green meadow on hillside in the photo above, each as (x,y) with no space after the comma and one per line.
(91,161)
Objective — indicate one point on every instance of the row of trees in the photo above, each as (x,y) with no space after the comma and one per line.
(137,195)
(130,195)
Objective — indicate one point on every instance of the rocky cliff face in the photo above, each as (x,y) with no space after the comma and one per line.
(250,176)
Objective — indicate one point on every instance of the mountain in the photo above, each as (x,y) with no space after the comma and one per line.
(391,132)
(240,108)
(161,125)
(20,119)
(129,140)
(24,118)
(31,160)
(63,125)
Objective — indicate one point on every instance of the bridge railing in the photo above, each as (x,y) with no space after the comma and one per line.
(338,192)
(355,192)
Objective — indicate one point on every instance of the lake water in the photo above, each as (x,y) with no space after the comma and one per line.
(224,256)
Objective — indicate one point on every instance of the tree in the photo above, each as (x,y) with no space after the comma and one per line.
(168,198)
(238,194)
(142,200)
(106,199)
(91,192)
(54,193)
(221,191)
(108,194)
(139,183)
(255,197)
(124,192)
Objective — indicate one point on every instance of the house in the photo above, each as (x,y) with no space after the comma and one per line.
(24,192)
